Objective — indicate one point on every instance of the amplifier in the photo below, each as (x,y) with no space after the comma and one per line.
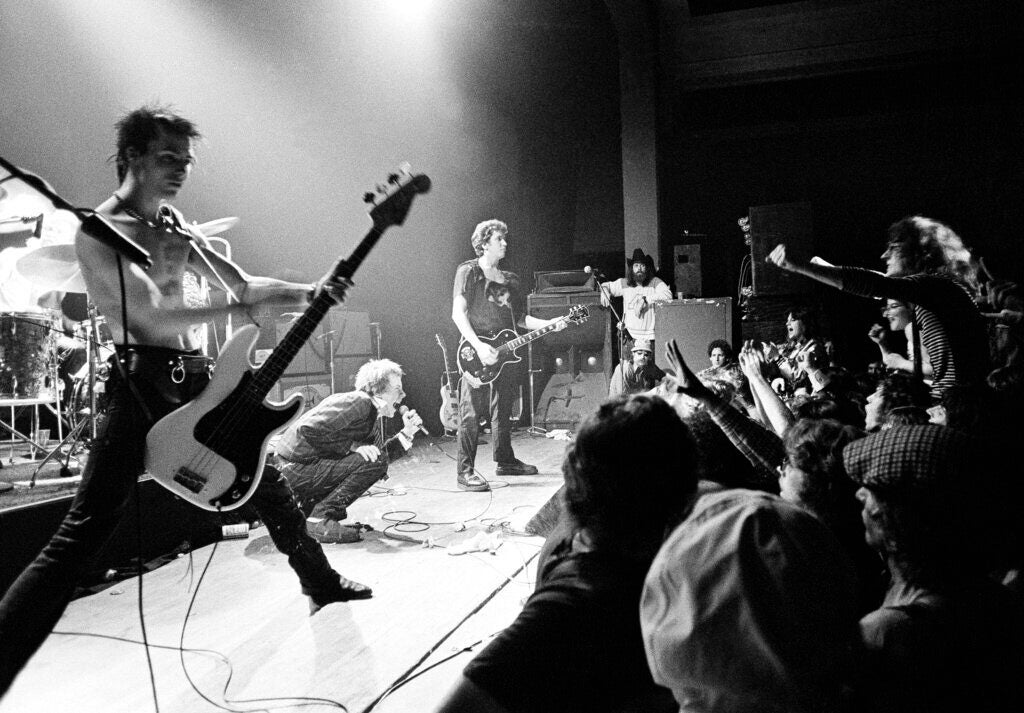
(594,331)
(693,324)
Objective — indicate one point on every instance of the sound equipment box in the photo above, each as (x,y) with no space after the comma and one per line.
(688,277)
(596,330)
(789,223)
(693,324)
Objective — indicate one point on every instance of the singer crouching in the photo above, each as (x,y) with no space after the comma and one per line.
(335,451)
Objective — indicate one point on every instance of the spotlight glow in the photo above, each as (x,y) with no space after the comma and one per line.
(410,9)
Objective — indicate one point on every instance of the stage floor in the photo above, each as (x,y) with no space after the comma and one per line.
(250,623)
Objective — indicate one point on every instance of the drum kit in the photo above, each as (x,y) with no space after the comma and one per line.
(45,358)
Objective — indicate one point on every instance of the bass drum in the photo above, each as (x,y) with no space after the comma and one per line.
(79,405)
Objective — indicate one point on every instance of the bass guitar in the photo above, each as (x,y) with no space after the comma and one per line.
(212,450)
(449,396)
(506,342)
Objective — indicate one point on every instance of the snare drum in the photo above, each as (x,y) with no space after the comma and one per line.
(26,348)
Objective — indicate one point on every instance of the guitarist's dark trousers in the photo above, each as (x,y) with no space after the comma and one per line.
(498,400)
(35,601)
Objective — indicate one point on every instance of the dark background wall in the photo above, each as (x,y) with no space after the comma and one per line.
(864,149)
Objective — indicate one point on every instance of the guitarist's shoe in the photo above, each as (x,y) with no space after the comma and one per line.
(346,591)
(516,467)
(473,482)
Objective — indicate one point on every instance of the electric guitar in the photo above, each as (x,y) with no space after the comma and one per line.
(506,342)
(449,396)
(212,450)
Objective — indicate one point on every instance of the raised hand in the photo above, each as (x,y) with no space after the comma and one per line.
(752,361)
(686,382)
(877,334)
(779,258)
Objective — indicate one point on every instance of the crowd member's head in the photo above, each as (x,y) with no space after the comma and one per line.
(487,231)
(641,269)
(813,474)
(139,128)
(922,245)
(924,499)
(630,434)
(898,314)
(641,353)
(720,353)
(801,323)
(895,392)
(750,605)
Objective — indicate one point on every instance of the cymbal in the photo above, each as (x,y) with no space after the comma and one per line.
(52,267)
(18,199)
(215,227)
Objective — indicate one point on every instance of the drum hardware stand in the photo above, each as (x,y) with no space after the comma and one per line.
(74,435)
(35,402)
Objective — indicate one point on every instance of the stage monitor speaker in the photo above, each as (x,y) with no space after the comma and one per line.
(693,324)
(686,259)
(567,399)
(789,223)
(555,281)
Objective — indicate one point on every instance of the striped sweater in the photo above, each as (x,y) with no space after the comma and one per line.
(952,329)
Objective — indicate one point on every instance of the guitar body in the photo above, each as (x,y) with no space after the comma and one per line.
(449,412)
(212,450)
(469,361)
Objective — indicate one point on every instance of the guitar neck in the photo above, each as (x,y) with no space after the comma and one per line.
(302,329)
(514,344)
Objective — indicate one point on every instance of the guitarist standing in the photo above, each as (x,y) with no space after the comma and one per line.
(482,305)
(159,368)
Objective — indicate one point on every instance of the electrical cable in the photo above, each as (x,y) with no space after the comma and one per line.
(409,675)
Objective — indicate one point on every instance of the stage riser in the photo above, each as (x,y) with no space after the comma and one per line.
(167,523)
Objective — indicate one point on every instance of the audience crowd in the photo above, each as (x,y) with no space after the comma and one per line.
(783,531)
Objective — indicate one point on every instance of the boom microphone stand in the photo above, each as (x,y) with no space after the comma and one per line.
(619,324)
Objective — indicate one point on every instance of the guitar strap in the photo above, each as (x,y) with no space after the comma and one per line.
(118,362)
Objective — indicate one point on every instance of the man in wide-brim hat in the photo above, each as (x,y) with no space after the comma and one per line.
(639,290)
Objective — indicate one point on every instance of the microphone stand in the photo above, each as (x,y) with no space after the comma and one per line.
(618,318)
(93,223)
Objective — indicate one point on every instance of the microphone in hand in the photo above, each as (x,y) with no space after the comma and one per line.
(403,409)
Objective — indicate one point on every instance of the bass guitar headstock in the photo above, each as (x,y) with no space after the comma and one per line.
(391,200)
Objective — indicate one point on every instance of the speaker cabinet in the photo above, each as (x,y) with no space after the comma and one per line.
(342,332)
(689,280)
(693,324)
(594,331)
(789,223)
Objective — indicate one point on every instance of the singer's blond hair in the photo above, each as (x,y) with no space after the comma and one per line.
(374,376)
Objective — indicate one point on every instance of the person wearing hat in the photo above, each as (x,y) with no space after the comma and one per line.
(637,373)
(640,290)
(750,606)
(947,637)
(484,303)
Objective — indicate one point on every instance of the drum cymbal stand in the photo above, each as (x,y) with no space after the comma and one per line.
(74,436)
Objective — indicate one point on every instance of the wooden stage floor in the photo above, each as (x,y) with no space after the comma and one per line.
(250,622)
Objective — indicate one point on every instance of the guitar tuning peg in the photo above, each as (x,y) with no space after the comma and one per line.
(393,179)
(369,197)
(382,189)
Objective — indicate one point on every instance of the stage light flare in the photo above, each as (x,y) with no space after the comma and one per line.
(410,8)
